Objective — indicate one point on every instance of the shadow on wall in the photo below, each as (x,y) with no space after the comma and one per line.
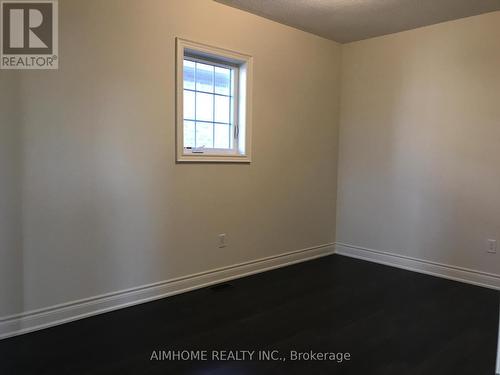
(419,135)
(11,246)
(69,189)
(437,154)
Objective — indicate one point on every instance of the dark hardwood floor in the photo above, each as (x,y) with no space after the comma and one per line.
(391,321)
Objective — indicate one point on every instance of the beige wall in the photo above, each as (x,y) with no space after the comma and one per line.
(106,208)
(92,200)
(11,272)
(420,143)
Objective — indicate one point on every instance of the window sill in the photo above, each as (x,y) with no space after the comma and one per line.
(213,158)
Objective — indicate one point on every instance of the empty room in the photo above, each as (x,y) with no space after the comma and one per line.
(249,187)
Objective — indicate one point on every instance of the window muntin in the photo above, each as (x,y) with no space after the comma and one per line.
(209,100)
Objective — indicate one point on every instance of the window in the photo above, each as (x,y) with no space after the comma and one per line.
(209,98)
(213,104)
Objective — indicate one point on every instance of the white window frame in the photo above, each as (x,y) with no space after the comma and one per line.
(242,122)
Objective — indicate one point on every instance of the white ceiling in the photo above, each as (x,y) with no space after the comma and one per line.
(350,20)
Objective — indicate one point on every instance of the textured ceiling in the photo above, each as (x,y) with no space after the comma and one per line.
(350,20)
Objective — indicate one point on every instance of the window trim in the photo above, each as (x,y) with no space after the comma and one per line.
(242,120)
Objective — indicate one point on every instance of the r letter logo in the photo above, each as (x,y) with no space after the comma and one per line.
(29,35)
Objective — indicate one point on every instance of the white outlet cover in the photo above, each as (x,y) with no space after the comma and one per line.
(492,246)
(222,240)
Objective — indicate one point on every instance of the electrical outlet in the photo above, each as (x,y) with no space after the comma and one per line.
(492,246)
(222,240)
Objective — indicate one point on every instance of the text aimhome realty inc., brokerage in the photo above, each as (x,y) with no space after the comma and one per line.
(29,35)
(248,355)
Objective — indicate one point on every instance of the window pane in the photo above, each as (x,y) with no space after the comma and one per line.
(222,109)
(204,77)
(189,134)
(204,107)
(189,74)
(222,80)
(189,105)
(204,135)
(221,136)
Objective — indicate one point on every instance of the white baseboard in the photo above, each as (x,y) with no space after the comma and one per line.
(446,271)
(47,317)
